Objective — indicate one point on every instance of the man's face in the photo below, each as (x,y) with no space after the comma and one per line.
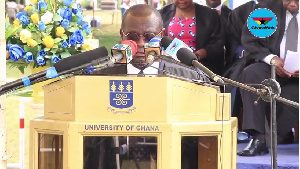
(141,30)
(291,5)
(213,3)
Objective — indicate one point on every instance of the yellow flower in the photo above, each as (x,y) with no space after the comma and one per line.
(34,1)
(28,7)
(48,41)
(25,35)
(88,45)
(31,43)
(16,23)
(35,18)
(60,31)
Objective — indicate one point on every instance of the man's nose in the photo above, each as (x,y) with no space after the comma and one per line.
(140,43)
(294,3)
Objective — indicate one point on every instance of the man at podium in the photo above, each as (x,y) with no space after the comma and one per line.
(140,23)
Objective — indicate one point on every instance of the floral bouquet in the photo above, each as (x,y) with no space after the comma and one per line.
(46,32)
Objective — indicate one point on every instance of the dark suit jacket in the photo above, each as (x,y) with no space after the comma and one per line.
(259,48)
(236,20)
(208,34)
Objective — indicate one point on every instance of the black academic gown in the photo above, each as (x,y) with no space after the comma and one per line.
(236,20)
(208,34)
(225,11)
(257,71)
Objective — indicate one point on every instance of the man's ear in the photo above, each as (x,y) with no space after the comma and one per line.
(121,35)
(163,32)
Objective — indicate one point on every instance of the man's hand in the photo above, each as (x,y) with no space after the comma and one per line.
(201,54)
(296,74)
(279,67)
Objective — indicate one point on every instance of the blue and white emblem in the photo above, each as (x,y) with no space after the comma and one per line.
(121,93)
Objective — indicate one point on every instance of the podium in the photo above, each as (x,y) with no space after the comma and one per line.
(126,122)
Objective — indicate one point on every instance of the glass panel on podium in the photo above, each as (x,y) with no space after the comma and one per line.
(50,151)
(120,152)
(199,152)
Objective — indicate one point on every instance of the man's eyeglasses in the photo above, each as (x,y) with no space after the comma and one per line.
(135,37)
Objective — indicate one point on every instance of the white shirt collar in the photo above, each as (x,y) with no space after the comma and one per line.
(148,71)
(218,7)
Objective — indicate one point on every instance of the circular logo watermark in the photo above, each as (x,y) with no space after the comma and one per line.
(262,22)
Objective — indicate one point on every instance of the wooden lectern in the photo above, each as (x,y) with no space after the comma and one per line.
(132,110)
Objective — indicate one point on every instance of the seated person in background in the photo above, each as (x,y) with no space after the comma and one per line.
(262,52)
(234,64)
(199,27)
(140,23)
(223,12)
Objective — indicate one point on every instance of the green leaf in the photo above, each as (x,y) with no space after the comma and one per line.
(55,46)
(65,54)
(21,68)
(48,56)
(49,28)
(56,40)
(9,32)
(46,49)
(72,29)
(54,50)
(64,37)
(57,18)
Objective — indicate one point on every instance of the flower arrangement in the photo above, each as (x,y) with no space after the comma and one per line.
(46,32)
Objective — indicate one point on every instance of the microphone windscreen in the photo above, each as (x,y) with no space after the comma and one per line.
(166,41)
(155,39)
(132,44)
(186,56)
(80,59)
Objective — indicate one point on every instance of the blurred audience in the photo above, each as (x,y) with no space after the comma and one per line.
(199,27)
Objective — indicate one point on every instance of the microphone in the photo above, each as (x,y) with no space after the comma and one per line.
(121,53)
(172,46)
(189,58)
(59,68)
(124,51)
(152,50)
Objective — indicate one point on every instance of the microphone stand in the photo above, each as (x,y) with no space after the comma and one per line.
(269,92)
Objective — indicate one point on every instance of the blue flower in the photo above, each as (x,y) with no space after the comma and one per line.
(78,35)
(72,40)
(42,25)
(67,2)
(55,58)
(64,44)
(42,53)
(29,57)
(79,19)
(86,28)
(77,10)
(15,52)
(24,20)
(42,4)
(40,60)
(19,14)
(65,13)
(8,45)
(65,23)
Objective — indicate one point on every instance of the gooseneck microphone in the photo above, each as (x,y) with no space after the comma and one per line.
(59,68)
(189,58)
